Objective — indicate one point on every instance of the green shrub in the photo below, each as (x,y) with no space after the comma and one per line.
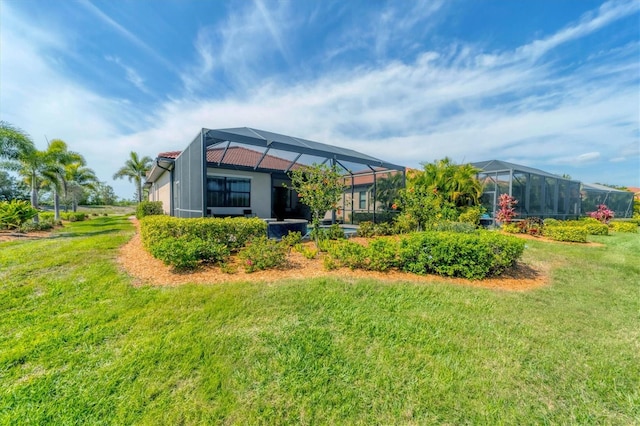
(473,256)
(380,217)
(46,217)
(36,226)
(292,239)
(349,254)
(73,216)
(309,252)
(149,208)
(14,213)
(448,226)
(382,254)
(551,222)
(597,228)
(366,229)
(232,232)
(572,233)
(471,215)
(510,228)
(624,226)
(334,232)
(383,229)
(186,252)
(405,223)
(262,253)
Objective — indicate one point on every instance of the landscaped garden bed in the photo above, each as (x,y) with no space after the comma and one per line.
(298,264)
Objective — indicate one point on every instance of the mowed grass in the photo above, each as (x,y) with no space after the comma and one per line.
(79,344)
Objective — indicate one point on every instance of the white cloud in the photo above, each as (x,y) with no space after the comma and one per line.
(588,157)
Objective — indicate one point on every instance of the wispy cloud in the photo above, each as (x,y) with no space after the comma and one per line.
(131,74)
(126,33)
(237,48)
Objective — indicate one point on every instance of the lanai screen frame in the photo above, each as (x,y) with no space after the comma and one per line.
(551,188)
(192,203)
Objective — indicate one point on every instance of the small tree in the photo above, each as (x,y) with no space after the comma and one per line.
(319,187)
(507,210)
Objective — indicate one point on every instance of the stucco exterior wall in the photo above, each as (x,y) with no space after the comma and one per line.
(260,192)
(161,191)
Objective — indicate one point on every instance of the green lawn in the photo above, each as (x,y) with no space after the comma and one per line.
(80,345)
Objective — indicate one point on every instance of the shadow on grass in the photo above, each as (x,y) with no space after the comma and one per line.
(85,234)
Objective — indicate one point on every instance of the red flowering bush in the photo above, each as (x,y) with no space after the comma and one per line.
(603,214)
(507,210)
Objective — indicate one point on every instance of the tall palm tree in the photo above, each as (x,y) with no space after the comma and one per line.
(135,169)
(14,142)
(58,157)
(79,177)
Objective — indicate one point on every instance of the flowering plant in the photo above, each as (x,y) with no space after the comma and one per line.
(507,210)
(603,214)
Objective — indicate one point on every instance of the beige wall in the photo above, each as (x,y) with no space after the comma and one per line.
(260,192)
(161,191)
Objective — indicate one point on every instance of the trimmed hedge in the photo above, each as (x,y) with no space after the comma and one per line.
(624,227)
(183,243)
(576,234)
(73,216)
(149,208)
(473,256)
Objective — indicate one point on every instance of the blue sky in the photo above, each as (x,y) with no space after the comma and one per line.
(552,84)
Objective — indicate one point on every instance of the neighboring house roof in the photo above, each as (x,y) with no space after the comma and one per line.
(636,191)
(366,177)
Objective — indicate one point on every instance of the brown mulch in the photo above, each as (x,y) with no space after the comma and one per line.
(147,270)
(11,236)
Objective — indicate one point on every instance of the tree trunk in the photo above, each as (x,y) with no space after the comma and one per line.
(56,205)
(34,201)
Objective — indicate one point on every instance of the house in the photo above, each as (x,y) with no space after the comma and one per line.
(243,171)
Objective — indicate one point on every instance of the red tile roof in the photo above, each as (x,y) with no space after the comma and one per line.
(239,156)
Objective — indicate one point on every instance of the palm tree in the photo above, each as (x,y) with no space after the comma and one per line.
(134,169)
(388,189)
(57,158)
(79,177)
(451,182)
(14,142)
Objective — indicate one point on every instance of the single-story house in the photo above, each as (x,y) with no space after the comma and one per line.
(243,171)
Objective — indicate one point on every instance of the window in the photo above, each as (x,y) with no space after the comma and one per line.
(363,200)
(229,191)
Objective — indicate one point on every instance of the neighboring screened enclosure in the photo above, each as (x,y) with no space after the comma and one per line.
(539,194)
(621,202)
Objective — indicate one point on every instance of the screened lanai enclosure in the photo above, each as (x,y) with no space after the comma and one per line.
(539,194)
(244,171)
(621,202)
(542,194)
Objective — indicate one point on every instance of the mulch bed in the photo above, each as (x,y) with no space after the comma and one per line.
(147,270)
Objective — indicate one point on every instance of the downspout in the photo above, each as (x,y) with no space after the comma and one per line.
(203,169)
